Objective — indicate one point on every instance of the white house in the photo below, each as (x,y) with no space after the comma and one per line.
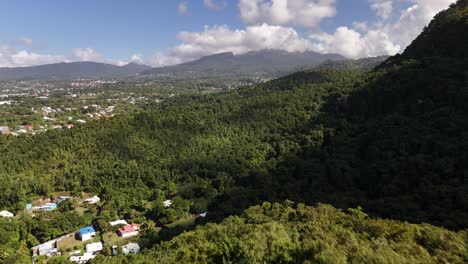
(82,259)
(132,248)
(167,203)
(94,247)
(118,222)
(86,233)
(93,200)
(6,214)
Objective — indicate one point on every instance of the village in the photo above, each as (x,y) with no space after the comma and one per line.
(121,236)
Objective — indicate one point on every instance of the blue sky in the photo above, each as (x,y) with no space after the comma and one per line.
(114,31)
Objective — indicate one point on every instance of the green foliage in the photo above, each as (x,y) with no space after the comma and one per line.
(274,233)
(393,141)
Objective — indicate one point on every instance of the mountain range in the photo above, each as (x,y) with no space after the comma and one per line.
(273,63)
(86,69)
(265,62)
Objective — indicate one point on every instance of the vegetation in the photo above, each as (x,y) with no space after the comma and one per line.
(275,233)
(393,141)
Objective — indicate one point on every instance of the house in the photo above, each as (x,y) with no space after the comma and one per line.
(86,233)
(129,230)
(93,200)
(82,259)
(46,207)
(49,207)
(167,203)
(94,247)
(131,248)
(46,249)
(69,126)
(118,222)
(4,130)
(6,214)
(203,214)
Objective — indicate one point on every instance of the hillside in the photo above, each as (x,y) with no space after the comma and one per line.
(275,233)
(255,63)
(87,70)
(365,63)
(393,141)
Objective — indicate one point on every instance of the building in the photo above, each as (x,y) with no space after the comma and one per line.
(131,248)
(93,200)
(129,230)
(167,203)
(118,222)
(86,233)
(46,207)
(4,130)
(82,259)
(45,249)
(94,247)
(6,214)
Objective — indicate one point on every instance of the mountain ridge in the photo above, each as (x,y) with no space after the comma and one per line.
(269,62)
(81,69)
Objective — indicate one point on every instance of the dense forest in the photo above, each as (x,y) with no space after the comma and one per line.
(275,233)
(393,141)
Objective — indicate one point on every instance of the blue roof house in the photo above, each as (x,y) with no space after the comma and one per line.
(86,233)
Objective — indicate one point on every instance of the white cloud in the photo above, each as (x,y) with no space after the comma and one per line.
(306,13)
(222,39)
(183,8)
(137,58)
(214,5)
(383,8)
(87,54)
(352,44)
(10,57)
(386,38)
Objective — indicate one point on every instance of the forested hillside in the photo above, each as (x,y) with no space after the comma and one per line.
(393,141)
(275,233)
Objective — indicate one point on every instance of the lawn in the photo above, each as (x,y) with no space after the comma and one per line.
(111,238)
(70,242)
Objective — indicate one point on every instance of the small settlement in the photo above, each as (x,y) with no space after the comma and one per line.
(86,237)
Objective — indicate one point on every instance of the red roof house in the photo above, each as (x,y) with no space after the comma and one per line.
(129,230)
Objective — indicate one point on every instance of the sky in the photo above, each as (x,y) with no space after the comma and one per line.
(167,32)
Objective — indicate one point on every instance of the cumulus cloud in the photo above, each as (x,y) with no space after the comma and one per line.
(380,38)
(11,57)
(306,13)
(383,8)
(352,44)
(214,5)
(183,8)
(87,54)
(222,39)
(137,58)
